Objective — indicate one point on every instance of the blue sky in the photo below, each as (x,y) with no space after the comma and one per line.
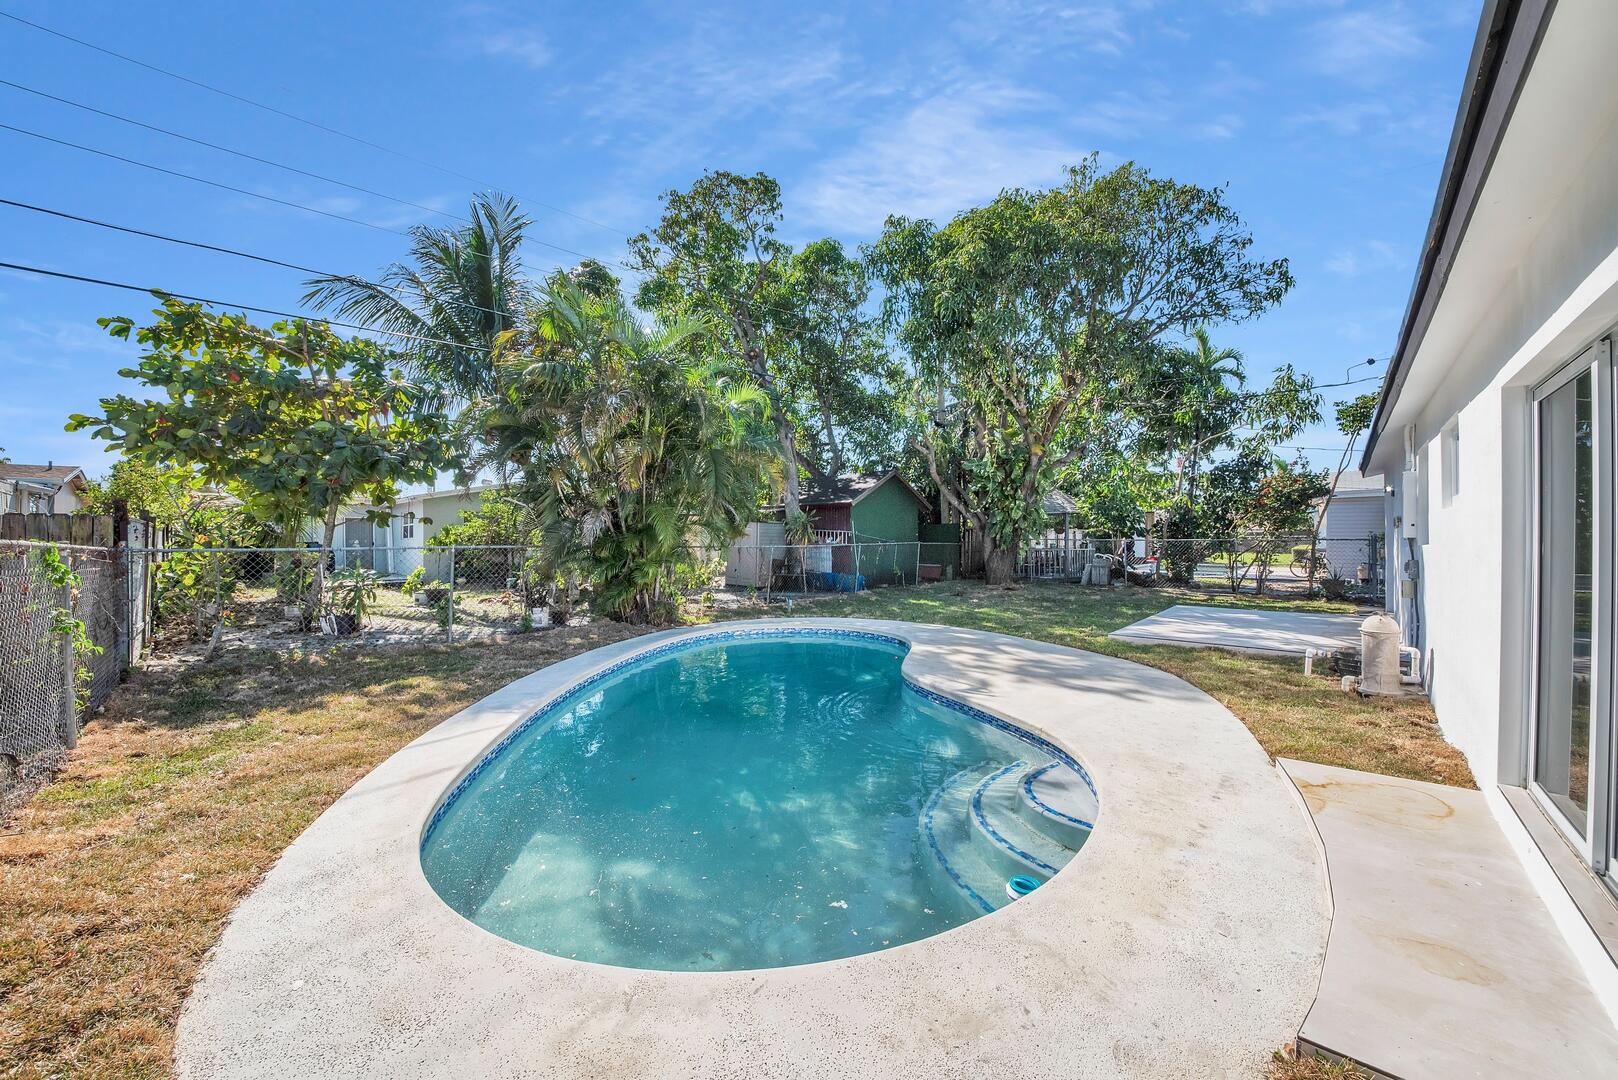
(1327,119)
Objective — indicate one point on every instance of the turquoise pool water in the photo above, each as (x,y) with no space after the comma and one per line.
(745,803)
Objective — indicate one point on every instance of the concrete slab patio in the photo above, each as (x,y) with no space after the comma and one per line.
(1244,629)
(1185,939)
(1443,962)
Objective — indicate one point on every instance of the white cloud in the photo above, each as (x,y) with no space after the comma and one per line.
(946,153)
(1102,26)
(522,44)
(1362,45)
(1218,128)
(498,32)
(1366,257)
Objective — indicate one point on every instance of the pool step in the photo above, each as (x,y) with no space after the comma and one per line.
(980,883)
(1059,803)
(980,837)
(1007,835)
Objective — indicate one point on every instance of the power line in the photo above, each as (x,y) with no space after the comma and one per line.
(253,194)
(132,231)
(63,275)
(229,150)
(200,179)
(292,116)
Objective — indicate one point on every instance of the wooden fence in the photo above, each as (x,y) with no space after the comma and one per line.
(84,530)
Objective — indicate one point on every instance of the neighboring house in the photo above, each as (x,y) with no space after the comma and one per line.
(870,527)
(395,549)
(42,489)
(1354,522)
(1496,430)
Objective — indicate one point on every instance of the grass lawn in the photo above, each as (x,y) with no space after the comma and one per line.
(117,877)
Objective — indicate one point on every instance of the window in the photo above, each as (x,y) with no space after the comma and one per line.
(1451,463)
(408,529)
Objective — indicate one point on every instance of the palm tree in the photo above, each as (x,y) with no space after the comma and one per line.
(638,447)
(459,291)
(1209,381)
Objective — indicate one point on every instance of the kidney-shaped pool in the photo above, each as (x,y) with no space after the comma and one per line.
(753,799)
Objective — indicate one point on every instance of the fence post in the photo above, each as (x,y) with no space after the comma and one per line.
(449,601)
(856,581)
(70,682)
(123,634)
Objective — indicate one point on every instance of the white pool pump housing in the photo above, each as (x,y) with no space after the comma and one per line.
(1379,655)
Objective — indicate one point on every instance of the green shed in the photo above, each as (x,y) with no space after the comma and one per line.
(874,524)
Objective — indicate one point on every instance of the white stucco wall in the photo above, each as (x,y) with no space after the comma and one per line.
(1535,282)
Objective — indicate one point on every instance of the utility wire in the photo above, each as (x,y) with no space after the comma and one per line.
(292,116)
(239,307)
(251,194)
(199,179)
(132,231)
(231,151)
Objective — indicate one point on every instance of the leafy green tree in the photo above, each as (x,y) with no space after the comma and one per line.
(637,449)
(296,420)
(840,380)
(1035,322)
(176,500)
(1263,503)
(460,290)
(714,256)
(1199,407)
(500,520)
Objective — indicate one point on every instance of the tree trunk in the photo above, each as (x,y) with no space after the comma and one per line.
(317,580)
(999,563)
(789,462)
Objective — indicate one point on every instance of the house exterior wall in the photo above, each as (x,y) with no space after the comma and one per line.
(1351,521)
(1533,284)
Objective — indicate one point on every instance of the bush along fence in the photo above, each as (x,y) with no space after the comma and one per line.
(203,600)
(64,622)
(1337,567)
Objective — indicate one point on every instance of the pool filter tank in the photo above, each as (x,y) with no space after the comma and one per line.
(1379,655)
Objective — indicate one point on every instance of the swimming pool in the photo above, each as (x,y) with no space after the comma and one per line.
(752,799)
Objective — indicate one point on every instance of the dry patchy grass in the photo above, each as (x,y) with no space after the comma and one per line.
(1288,1064)
(118,876)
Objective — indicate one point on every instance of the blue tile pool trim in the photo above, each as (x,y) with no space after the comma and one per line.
(938,852)
(1009,728)
(993,833)
(694,641)
(1042,805)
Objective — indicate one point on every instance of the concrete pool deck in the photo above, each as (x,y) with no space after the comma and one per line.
(1186,938)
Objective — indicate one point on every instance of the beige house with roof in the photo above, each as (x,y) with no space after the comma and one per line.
(42,489)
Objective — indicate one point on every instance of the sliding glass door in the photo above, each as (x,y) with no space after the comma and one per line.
(1571,745)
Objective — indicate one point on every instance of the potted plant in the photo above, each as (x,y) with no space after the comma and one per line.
(349,594)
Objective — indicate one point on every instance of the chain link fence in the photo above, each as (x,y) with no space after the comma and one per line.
(1337,567)
(838,566)
(204,600)
(64,618)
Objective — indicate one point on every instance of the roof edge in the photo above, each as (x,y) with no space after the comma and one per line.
(1509,33)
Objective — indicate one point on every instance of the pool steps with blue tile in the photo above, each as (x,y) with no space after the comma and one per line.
(1059,802)
(983,832)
